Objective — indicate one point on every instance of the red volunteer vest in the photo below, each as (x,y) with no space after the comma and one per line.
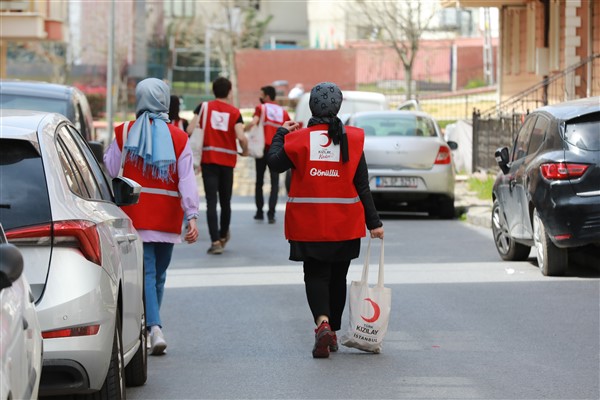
(159,207)
(219,134)
(273,116)
(323,205)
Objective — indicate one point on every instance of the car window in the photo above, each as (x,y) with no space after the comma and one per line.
(522,141)
(584,134)
(72,174)
(538,134)
(79,164)
(24,197)
(396,125)
(95,168)
(33,103)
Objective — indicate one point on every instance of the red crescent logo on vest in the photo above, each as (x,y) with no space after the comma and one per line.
(219,118)
(328,142)
(376,313)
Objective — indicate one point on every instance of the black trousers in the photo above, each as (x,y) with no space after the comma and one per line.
(218,186)
(261,166)
(325,284)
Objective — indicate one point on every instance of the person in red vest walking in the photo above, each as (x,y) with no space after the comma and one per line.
(224,125)
(157,155)
(328,206)
(273,116)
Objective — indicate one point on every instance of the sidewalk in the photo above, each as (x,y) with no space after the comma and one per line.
(478,212)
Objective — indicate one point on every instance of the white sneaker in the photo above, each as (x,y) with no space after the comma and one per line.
(158,345)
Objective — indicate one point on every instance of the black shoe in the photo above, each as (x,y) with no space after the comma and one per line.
(259,216)
(271,218)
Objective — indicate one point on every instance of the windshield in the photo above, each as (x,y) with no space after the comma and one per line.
(584,135)
(395,125)
(20,102)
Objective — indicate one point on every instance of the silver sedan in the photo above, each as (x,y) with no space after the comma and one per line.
(410,164)
(84,258)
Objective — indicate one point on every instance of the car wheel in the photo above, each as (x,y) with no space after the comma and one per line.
(508,248)
(114,383)
(136,372)
(552,260)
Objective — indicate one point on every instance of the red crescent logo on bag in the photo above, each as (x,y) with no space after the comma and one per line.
(376,309)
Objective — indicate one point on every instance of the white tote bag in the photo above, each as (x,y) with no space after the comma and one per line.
(369,310)
(256,137)
(197,137)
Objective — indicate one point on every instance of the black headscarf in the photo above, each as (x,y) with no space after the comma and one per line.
(325,102)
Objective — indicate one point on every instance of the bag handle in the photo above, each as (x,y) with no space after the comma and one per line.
(124,139)
(365,273)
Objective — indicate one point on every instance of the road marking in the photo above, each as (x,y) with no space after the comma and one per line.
(291,274)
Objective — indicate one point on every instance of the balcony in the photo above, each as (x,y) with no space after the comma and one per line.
(22,20)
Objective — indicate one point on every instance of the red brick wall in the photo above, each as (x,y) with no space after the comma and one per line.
(257,68)
(365,62)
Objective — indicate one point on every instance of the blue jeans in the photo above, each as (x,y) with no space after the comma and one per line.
(157,257)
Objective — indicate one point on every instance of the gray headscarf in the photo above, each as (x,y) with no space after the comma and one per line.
(325,102)
(152,142)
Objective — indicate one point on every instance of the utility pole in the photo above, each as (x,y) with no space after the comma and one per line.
(488,49)
(109,72)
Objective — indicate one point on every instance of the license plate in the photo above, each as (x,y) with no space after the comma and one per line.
(396,181)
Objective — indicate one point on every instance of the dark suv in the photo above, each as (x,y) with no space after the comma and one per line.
(50,97)
(548,192)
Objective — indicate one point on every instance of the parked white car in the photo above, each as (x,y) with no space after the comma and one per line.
(410,164)
(84,257)
(20,333)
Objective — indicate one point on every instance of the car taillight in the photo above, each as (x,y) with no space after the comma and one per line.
(70,332)
(443,156)
(73,233)
(562,170)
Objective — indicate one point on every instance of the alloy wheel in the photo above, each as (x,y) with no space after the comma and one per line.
(500,229)
(538,240)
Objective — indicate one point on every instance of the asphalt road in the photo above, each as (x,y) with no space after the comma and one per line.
(464,324)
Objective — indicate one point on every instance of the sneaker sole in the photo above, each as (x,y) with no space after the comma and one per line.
(321,349)
(158,349)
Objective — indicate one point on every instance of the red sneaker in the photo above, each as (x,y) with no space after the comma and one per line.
(333,346)
(323,339)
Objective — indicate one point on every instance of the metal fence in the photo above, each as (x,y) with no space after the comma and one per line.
(498,126)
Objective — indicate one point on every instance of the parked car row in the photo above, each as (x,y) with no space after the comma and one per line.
(82,259)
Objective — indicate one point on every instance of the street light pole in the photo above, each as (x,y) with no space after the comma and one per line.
(207,35)
(109,72)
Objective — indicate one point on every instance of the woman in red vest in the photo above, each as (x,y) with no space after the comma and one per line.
(328,207)
(157,155)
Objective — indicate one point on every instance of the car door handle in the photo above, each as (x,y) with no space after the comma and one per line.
(121,238)
(132,237)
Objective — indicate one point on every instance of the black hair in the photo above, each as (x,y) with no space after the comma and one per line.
(174,108)
(221,87)
(269,91)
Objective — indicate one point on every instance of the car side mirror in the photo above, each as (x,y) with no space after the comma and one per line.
(452,144)
(11,264)
(98,150)
(502,159)
(126,191)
